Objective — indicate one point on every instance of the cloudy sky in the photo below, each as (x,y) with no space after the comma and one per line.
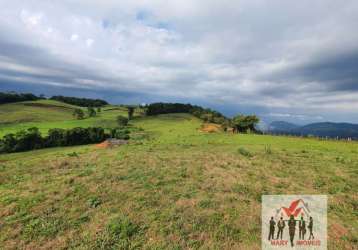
(283,60)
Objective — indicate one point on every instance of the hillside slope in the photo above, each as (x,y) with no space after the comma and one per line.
(35,111)
(177,188)
(47,114)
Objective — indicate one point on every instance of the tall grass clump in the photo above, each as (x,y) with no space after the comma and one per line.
(244,152)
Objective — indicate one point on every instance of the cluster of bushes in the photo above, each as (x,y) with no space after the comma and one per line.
(245,123)
(122,121)
(207,115)
(120,133)
(11,97)
(79,114)
(31,138)
(82,102)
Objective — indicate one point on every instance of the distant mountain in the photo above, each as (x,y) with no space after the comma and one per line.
(322,129)
(282,126)
(330,129)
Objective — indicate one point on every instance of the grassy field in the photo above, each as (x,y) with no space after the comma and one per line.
(47,114)
(178,188)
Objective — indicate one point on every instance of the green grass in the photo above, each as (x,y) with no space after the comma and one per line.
(47,114)
(176,188)
(35,111)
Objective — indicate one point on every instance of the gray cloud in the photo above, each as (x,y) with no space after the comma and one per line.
(278,57)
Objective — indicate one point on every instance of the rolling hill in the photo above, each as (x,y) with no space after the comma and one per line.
(47,114)
(35,111)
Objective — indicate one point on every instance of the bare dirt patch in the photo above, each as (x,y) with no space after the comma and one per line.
(109,143)
(104,144)
(210,128)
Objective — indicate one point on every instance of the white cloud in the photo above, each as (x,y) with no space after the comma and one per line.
(89,42)
(74,37)
(245,52)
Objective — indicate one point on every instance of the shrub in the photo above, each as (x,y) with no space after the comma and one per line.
(96,134)
(79,114)
(120,133)
(122,121)
(131,110)
(91,112)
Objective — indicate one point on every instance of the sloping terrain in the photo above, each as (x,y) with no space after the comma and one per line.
(35,111)
(47,114)
(176,188)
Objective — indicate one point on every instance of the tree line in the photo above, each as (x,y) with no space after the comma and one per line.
(31,138)
(82,102)
(205,114)
(10,97)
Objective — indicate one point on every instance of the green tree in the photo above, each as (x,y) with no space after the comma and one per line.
(245,123)
(130,112)
(79,114)
(8,143)
(56,137)
(122,121)
(99,110)
(91,112)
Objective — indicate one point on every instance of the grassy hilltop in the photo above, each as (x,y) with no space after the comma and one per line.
(175,188)
(47,114)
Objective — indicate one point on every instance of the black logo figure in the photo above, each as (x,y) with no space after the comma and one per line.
(302,228)
(291,228)
(272,229)
(310,227)
(280,225)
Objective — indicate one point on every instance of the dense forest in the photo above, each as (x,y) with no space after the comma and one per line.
(10,97)
(83,102)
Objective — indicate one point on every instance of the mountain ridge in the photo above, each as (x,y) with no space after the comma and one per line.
(320,129)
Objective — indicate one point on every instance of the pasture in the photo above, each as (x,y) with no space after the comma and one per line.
(47,114)
(175,188)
